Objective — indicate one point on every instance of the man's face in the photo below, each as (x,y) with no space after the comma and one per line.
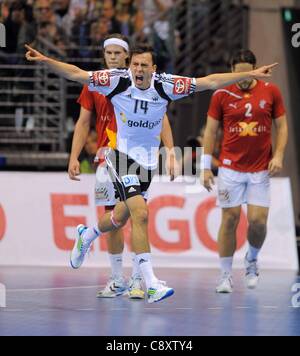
(108,10)
(18,16)
(142,69)
(43,11)
(244,67)
(99,30)
(115,57)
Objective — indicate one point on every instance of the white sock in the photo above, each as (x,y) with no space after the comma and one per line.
(116,262)
(91,234)
(136,272)
(226,264)
(252,253)
(145,264)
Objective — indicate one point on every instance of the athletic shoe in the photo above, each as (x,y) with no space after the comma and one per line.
(81,248)
(252,274)
(226,284)
(114,288)
(159,293)
(135,290)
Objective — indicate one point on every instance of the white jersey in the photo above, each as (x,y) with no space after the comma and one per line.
(140,113)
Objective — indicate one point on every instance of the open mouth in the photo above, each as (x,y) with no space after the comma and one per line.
(139,79)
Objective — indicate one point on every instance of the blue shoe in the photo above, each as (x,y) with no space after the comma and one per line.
(159,293)
(252,273)
(80,249)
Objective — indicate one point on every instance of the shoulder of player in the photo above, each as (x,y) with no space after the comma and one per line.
(120,71)
(93,94)
(164,78)
(117,72)
(227,92)
(169,78)
(269,85)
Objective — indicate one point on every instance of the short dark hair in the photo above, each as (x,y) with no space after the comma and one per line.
(244,56)
(144,48)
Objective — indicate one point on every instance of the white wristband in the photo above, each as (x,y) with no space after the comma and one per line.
(206,161)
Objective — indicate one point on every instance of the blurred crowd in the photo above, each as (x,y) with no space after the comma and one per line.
(80,24)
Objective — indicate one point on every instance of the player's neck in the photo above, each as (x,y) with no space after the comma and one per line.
(252,86)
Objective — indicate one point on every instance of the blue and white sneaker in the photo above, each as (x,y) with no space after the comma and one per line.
(81,248)
(252,273)
(159,293)
(114,288)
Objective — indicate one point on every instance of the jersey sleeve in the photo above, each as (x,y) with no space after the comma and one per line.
(215,108)
(106,81)
(278,104)
(86,99)
(176,87)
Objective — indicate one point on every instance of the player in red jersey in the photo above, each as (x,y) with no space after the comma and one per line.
(246,111)
(116,54)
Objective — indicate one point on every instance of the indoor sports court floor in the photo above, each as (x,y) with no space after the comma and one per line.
(58,301)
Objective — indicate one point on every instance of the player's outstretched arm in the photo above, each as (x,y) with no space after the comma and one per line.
(64,70)
(217,81)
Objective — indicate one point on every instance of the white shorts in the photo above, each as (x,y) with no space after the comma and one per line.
(237,188)
(105,194)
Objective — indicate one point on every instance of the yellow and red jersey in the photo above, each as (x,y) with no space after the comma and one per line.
(106,124)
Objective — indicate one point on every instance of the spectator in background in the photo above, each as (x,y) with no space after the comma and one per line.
(129,17)
(62,14)
(27,30)
(4,10)
(69,12)
(13,24)
(46,24)
(152,9)
(43,12)
(109,13)
(87,164)
(99,31)
(157,28)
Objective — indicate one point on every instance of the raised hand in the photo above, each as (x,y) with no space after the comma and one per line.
(33,55)
(264,72)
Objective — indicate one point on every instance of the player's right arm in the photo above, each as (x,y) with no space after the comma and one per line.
(218,81)
(80,136)
(64,70)
(209,142)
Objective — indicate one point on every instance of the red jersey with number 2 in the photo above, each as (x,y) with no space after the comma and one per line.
(247,118)
(106,124)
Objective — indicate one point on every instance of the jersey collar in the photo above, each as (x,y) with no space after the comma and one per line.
(133,86)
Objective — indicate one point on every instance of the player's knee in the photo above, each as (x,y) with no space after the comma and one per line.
(231,221)
(119,221)
(257,226)
(140,216)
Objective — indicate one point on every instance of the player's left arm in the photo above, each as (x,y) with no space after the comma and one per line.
(172,165)
(218,81)
(276,164)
